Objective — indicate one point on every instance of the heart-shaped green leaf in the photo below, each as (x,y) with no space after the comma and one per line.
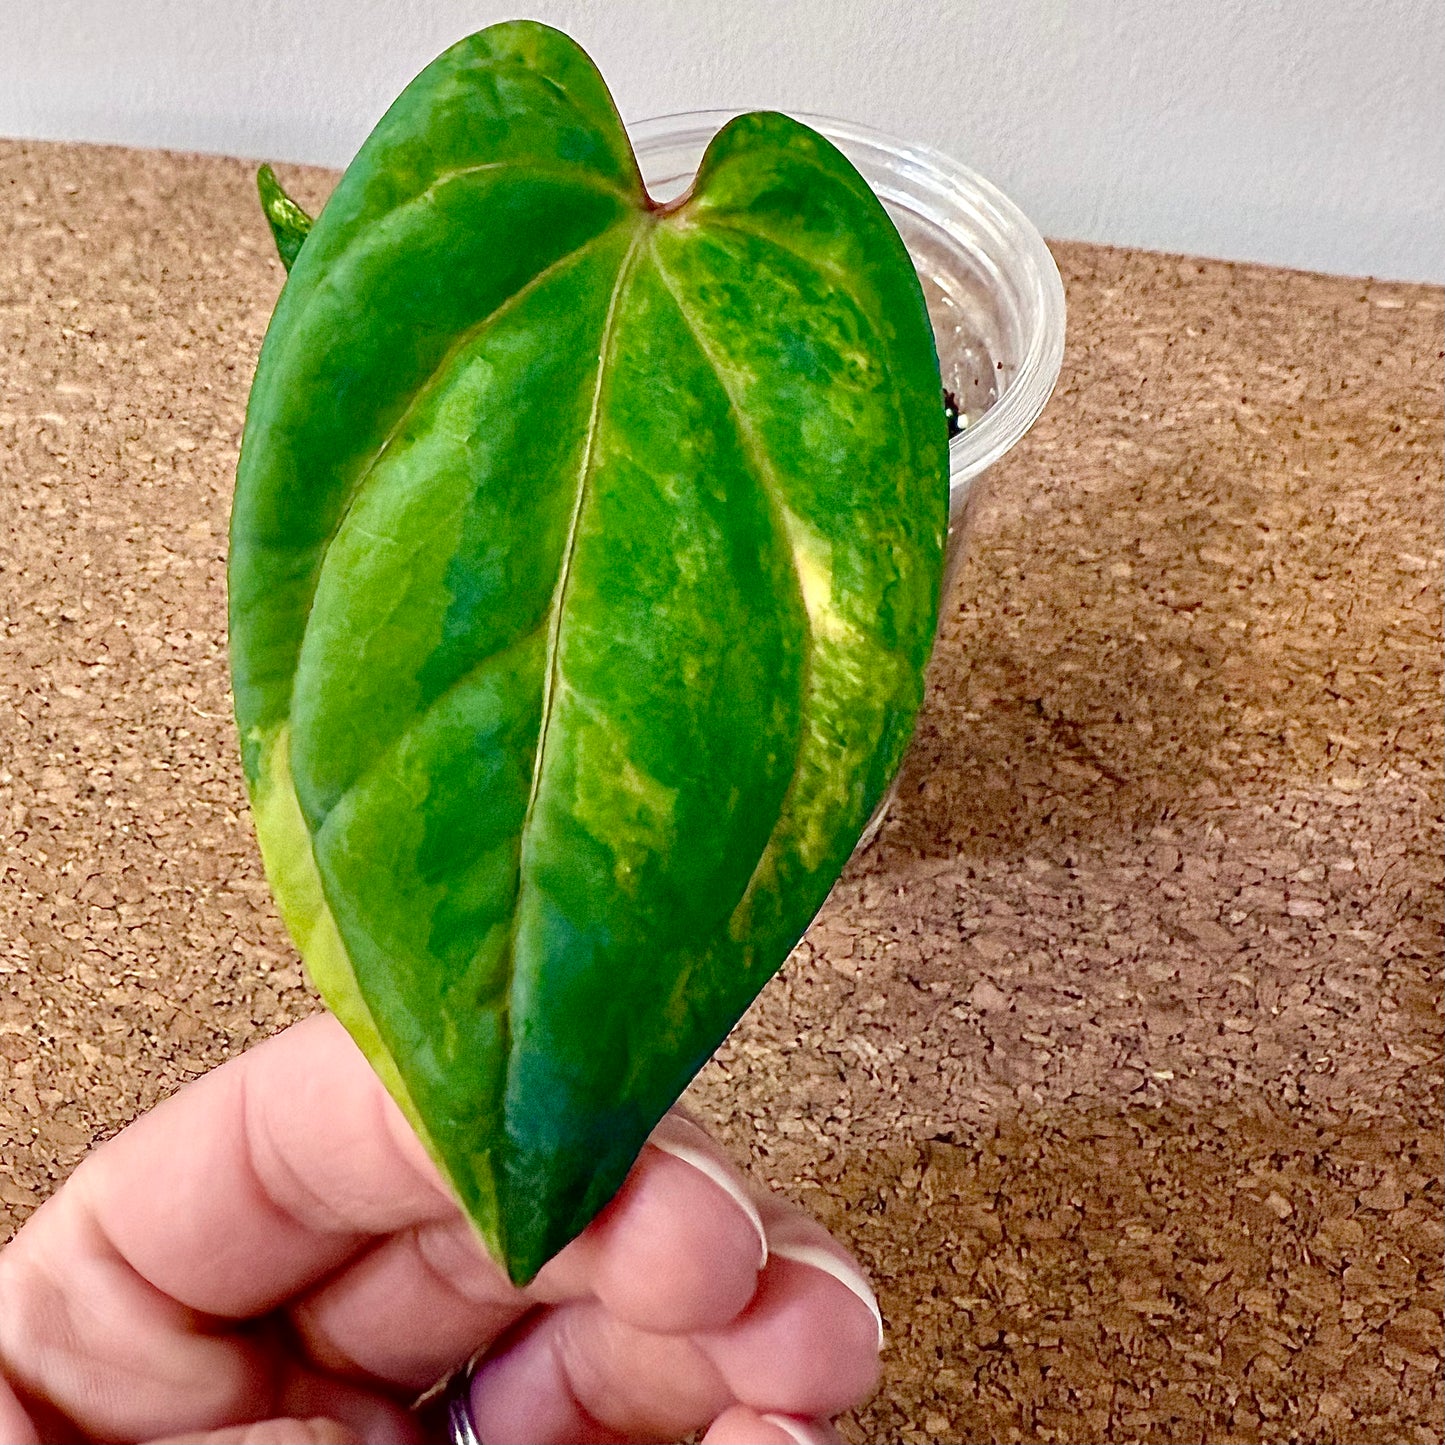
(584,567)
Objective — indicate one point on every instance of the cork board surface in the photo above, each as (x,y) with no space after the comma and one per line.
(1117,1058)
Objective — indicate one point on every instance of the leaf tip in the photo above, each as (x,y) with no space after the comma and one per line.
(289,223)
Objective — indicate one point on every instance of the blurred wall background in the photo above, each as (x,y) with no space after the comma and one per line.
(1306,133)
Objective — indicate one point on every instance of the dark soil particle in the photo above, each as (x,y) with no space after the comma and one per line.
(952,413)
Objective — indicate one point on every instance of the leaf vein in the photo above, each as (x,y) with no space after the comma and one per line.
(844,282)
(828,267)
(382,760)
(767,477)
(584,178)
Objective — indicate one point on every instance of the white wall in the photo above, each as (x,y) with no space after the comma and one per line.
(1304,133)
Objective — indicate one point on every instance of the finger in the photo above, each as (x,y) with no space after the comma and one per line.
(83,1332)
(799,1237)
(583,1373)
(678,1249)
(272,1432)
(577,1373)
(276,1170)
(119,1361)
(16,1425)
(406,1313)
(305,1394)
(805,1346)
(740,1425)
(261,1177)
(808,1343)
(268,1172)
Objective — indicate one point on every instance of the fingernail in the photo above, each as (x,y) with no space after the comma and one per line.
(846,1274)
(676,1137)
(798,1430)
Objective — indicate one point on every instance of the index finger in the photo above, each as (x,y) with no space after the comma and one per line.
(262,1177)
(259,1179)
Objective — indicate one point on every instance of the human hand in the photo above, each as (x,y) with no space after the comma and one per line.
(273,1245)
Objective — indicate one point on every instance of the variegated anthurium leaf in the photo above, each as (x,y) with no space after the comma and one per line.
(584,566)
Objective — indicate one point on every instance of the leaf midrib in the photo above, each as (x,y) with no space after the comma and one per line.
(434,381)
(554,630)
(564,573)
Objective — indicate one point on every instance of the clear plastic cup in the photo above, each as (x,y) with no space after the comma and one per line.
(992,288)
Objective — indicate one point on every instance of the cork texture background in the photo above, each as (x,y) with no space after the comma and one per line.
(1117,1058)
